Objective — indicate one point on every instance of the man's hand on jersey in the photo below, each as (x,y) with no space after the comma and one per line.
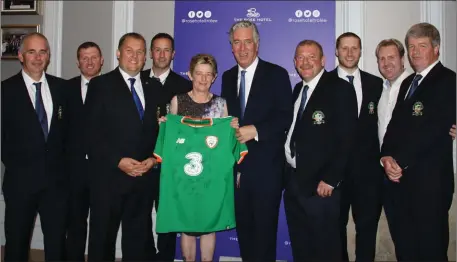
(392,169)
(234,123)
(452,132)
(246,133)
(324,189)
(162,119)
(130,166)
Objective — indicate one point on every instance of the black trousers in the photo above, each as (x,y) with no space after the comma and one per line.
(20,213)
(365,198)
(388,205)
(166,242)
(313,224)
(256,212)
(133,208)
(421,225)
(78,213)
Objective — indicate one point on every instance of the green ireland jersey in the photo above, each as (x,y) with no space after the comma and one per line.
(196,179)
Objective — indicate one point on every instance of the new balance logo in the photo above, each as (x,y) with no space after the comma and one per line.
(180,141)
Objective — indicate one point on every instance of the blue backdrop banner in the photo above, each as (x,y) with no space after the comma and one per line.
(203,26)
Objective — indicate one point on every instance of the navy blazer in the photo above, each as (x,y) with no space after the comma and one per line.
(269,109)
(115,130)
(323,144)
(31,163)
(363,164)
(174,85)
(418,133)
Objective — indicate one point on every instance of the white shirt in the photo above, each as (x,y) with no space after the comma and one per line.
(311,86)
(387,103)
(45,94)
(162,77)
(84,84)
(137,85)
(424,73)
(357,84)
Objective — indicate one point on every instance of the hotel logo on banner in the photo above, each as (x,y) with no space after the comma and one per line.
(198,17)
(307,16)
(254,16)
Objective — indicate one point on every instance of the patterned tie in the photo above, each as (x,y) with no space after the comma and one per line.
(300,111)
(242,93)
(351,79)
(414,85)
(136,98)
(40,110)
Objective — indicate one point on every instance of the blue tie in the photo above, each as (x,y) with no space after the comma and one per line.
(242,94)
(351,79)
(414,85)
(136,98)
(40,111)
(300,111)
(304,96)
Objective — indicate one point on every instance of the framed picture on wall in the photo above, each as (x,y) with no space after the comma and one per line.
(12,36)
(19,7)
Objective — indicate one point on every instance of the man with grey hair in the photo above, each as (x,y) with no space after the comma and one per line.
(259,93)
(32,119)
(417,151)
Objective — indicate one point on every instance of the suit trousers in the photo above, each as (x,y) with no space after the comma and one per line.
(20,214)
(109,208)
(256,213)
(313,224)
(365,198)
(421,225)
(78,213)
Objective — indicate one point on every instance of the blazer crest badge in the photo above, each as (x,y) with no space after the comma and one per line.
(417,108)
(318,117)
(371,108)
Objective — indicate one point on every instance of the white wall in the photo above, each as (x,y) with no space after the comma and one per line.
(85,21)
(386,19)
(152,17)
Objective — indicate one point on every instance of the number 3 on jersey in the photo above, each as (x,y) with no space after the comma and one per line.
(194,167)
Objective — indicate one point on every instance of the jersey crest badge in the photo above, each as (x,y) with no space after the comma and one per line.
(211,141)
(417,109)
(318,117)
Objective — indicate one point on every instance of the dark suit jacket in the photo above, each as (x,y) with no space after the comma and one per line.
(31,163)
(363,164)
(419,140)
(269,109)
(115,131)
(174,85)
(75,126)
(322,149)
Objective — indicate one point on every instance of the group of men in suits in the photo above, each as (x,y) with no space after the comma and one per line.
(69,147)
(97,156)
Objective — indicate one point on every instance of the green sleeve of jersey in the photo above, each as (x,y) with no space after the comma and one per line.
(158,151)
